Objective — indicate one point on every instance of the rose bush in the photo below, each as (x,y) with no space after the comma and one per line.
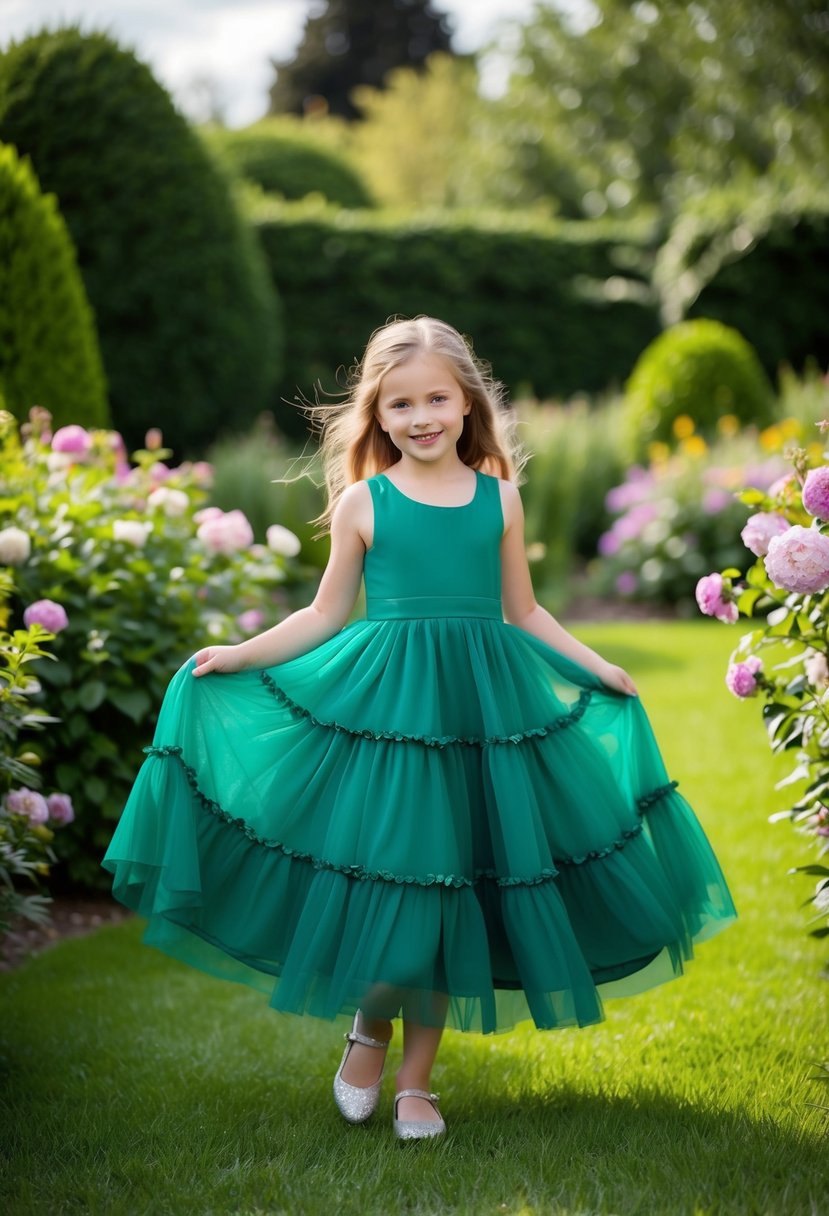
(785,657)
(122,561)
(27,818)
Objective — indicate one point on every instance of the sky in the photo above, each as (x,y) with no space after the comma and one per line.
(206,50)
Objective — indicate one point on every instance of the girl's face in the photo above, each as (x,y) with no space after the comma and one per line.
(421,407)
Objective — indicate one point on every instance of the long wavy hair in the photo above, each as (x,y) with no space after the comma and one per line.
(352,444)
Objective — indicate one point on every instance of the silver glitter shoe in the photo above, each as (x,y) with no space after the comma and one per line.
(418,1129)
(357,1102)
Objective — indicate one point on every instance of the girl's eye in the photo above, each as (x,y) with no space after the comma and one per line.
(400,405)
(438,397)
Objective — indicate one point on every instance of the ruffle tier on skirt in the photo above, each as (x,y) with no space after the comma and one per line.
(416,811)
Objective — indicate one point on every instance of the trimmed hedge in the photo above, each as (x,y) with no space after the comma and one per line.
(186,312)
(286,160)
(541,302)
(49,352)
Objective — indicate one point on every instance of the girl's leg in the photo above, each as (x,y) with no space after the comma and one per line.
(420,1048)
(365,1064)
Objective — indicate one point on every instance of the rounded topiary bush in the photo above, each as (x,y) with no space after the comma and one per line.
(49,352)
(186,313)
(701,369)
(285,160)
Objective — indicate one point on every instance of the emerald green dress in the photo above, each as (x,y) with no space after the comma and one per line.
(433,811)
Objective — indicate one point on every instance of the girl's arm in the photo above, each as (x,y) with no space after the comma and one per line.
(324,617)
(520,606)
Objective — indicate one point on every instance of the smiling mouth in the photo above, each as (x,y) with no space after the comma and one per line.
(421,438)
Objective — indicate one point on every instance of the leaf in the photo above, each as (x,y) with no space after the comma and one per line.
(823,932)
(133,702)
(819,871)
(732,572)
(757,577)
(91,694)
(747,600)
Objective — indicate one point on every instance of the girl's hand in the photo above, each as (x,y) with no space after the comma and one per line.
(218,658)
(617,679)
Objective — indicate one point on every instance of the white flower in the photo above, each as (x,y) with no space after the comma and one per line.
(131,531)
(171,502)
(282,541)
(817,669)
(15,547)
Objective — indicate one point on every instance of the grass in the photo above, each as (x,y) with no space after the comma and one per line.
(131,1084)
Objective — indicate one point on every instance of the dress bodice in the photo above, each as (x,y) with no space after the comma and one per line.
(434,561)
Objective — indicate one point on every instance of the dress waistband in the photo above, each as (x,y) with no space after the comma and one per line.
(416,606)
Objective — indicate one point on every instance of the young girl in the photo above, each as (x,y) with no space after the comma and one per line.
(451,810)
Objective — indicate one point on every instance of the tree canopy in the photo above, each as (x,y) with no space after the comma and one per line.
(347,43)
(658,99)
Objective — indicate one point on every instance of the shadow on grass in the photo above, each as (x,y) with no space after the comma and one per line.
(211,1133)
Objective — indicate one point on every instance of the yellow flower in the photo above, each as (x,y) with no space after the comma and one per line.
(658,453)
(695,445)
(683,426)
(790,428)
(771,439)
(815,453)
(728,425)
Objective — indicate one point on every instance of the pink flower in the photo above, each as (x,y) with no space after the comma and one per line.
(251,620)
(609,543)
(759,530)
(159,471)
(715,500)
(171,502)
(153,439)
(202,473)
(226,533)
(778,487)
(626,582)
(741,678)
(47,613)
(798,560)
(816,492)
(636,486)
(709,595)
(60,808)
(72,439)
(206,513)
(28,803)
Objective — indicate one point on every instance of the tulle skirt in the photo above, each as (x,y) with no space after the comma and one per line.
(442,817)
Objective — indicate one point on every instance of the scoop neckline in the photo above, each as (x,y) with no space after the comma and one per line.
(436,506)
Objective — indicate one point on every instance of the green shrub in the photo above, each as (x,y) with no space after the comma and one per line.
(49,349)
(144,580)
(700,369)
(556,308)
(285,158)
(186,312)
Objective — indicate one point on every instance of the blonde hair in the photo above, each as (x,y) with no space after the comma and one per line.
(353,446)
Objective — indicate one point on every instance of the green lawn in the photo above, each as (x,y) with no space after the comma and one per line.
(131,1084)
